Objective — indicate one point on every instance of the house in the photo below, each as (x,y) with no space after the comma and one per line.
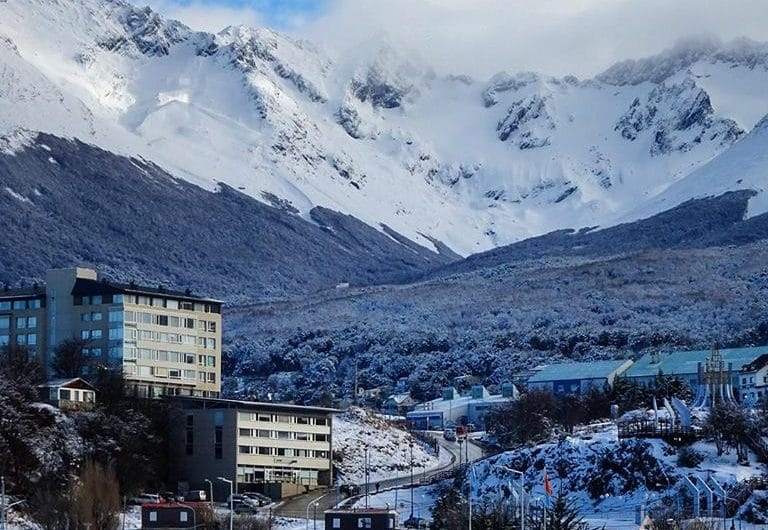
(356,518)
(399,404)
(170,516)
(687,365)
(68,394)
(277,449)
(165,342)
(577,378)
(753,379)
(452,408)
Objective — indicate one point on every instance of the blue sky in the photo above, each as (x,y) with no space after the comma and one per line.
(215,14)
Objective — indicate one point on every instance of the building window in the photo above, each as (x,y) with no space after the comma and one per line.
(5,322)
(364,522)
(153,517)
(321,421)
(115,333)
(115,316)
(4,340)
(336,522)
(218,442)
(32,339)
(19,304)
(5,306)
(183,516)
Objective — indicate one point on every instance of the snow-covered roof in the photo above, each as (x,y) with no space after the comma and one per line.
(59,383)
(445,404)
(585,370)
(687,362)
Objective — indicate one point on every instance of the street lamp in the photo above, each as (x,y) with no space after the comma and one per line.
(310,505)
(231,501)
(210,491)
(522,494)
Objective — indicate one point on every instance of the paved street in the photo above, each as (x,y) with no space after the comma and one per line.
(328,498)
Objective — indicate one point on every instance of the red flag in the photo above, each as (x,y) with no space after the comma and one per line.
(547,484)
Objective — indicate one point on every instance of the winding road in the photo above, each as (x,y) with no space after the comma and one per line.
(327,498)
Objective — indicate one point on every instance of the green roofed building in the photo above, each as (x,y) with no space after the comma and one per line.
(577,378)
(687,364)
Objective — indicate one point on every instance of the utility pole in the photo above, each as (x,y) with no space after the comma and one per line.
(411,446)
(231,501)
(365,475)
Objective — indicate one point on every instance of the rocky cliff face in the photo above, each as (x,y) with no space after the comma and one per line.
(470,163)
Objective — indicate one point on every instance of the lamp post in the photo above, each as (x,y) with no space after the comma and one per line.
(522,494)
(472,473)
(365,473)
(231,501)
(411,446)
(210,491)
(310,505)
(461,442)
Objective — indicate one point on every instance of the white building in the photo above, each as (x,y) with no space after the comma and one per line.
(452,408)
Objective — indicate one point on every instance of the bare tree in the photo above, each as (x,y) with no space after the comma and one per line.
(96,498)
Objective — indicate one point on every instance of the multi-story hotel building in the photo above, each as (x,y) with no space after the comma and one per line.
(275,448)
(166,342)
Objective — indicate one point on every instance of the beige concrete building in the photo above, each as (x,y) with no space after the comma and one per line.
(274,448)
(166,342)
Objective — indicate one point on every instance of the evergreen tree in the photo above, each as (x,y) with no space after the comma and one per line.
(562,514)
(69,359)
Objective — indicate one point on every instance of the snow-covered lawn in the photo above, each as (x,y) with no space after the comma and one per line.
(388,448)
(424,498)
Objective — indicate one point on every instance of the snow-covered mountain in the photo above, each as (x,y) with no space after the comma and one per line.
(471,163)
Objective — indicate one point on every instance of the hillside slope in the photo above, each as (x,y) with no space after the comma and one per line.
(627,295)
(66,202)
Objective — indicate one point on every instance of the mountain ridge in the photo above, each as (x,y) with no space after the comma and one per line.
(470,164)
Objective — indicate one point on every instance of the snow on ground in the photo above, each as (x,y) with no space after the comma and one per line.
(424,498)
(285,523)
(131,519)
(605,476)
(389,452)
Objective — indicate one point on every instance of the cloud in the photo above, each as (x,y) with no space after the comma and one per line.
(208,16)
(481,37)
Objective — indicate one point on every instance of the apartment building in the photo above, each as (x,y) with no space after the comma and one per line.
(166,342)
(273,448)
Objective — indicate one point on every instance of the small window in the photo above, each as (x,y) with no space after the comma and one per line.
(364,522)
(96,299)
(183,516)
(153,517)
(336,522)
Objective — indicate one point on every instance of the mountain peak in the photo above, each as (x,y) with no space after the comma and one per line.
(682,55)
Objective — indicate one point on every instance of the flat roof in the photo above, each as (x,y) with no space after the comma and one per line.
(583,370)
(244,404)
(23,292)
(85,286)
(687,362)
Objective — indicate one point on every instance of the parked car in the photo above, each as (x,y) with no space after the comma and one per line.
(241,507)
(242,499)
(450,434)
(169,496)
(146,498)
(195,496)
(258,498)
(349,490)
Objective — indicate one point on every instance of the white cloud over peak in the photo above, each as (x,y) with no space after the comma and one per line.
(481,37)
